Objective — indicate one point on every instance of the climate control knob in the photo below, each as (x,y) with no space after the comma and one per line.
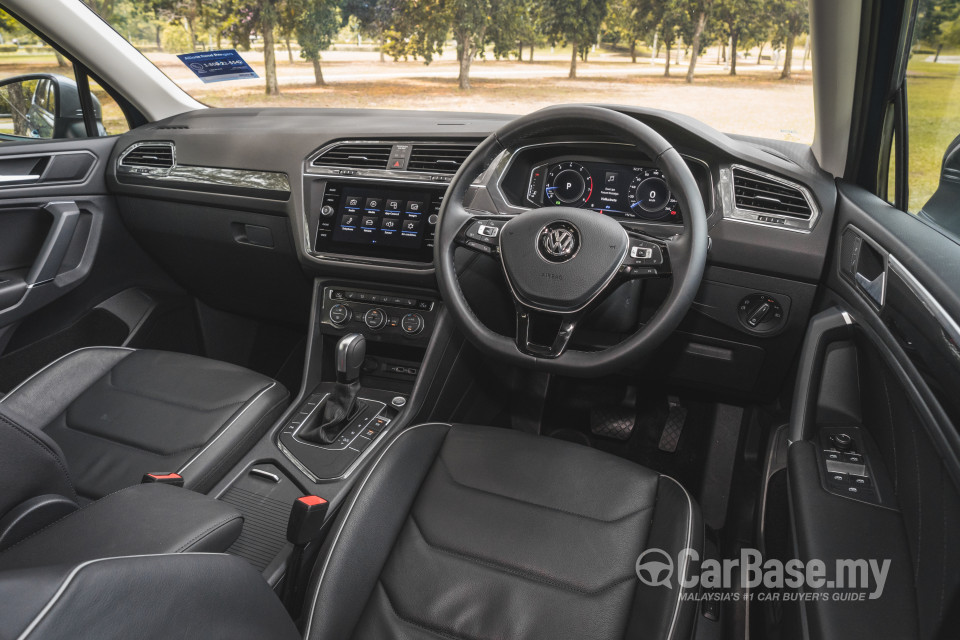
(412,324)
(375,318)
(340,314)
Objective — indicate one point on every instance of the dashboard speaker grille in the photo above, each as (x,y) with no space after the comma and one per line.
(439,158)
(355,156)
(758,193)
(154,155)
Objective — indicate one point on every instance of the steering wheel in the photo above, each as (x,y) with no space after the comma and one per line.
(559,261)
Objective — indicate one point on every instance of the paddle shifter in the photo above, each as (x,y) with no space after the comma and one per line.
(341,406)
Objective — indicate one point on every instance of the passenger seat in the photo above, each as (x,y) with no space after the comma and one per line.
(94,421)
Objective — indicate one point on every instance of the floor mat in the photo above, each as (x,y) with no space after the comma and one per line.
(97,328)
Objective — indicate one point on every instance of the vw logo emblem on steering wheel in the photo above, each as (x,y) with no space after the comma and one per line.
(558,241)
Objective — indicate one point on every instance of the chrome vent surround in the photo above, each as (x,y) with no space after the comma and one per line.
(439,158)
(155,155)
(750,195)
(413,161)
(354,156)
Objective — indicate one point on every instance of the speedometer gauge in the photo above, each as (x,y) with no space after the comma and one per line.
(650,197)
(568,184)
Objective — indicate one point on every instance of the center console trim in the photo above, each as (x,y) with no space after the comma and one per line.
(289,455)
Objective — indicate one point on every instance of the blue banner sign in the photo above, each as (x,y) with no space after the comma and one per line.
(218,66)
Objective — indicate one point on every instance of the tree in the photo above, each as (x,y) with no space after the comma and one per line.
(936,21)
(791,18)
(421,27)
(268,21)
(626,19)
(741,22)
(375,17)
(507,27)
(697,13)
(317,23)
(575,23)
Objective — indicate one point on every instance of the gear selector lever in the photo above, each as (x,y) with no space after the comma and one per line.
(341,405)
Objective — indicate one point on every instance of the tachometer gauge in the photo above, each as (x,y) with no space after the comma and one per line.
(650,197)
(568,184)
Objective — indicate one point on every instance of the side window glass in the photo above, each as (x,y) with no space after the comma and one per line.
(933,116)
(39,95)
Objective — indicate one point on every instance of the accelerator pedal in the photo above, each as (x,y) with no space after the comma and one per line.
(673,427)
(615,421)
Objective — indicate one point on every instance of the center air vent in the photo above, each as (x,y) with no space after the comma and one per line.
(770,197)
(152,155)
(439,158)
(355,156)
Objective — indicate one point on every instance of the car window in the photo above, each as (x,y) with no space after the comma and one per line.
(39,94)
(933,114)
(741,66)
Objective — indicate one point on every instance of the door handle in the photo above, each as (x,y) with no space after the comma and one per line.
(66,215)
(15,179)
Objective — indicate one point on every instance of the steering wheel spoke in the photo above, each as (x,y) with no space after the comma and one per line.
(647,257)
(480,232)
(528,322)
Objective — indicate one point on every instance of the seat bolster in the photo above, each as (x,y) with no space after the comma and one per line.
(31,464)
(235,437)
(661,612)
(152,596)
(48,393)
(357,548)
(142,519)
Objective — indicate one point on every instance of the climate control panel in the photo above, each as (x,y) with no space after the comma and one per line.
(383,316)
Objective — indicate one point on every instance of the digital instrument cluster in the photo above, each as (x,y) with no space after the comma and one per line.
(622,191)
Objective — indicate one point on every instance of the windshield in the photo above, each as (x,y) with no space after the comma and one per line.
(741,66)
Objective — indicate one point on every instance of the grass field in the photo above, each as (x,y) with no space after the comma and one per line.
(933,116)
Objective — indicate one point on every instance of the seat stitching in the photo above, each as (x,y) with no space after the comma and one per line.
(446,469)
(109,381)
(208,531)
(43,446)
(348,509)
(437,631)
(519,572)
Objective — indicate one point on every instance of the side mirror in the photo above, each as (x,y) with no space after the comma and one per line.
(43,106)
(943,208)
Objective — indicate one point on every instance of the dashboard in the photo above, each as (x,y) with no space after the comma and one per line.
(352,196)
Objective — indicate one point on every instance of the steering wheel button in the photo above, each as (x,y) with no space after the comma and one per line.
(641,252)
(488,231)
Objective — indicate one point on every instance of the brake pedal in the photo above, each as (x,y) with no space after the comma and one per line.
(616,422)
(673,427)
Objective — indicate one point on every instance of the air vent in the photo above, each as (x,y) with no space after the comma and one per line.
(763,195)
(439,158)
(151,155)
(355,156)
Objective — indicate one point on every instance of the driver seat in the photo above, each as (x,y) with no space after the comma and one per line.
(467,532)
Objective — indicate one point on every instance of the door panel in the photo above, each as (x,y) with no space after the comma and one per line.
(50,223)
(881,364)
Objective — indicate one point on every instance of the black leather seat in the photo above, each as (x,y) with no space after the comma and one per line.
(475,532)
(96,420)
(456,532)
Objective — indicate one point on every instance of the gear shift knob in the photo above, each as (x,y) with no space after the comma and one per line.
(351,350)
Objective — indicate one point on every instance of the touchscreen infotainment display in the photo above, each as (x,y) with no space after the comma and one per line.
(382,218)
(374,220)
